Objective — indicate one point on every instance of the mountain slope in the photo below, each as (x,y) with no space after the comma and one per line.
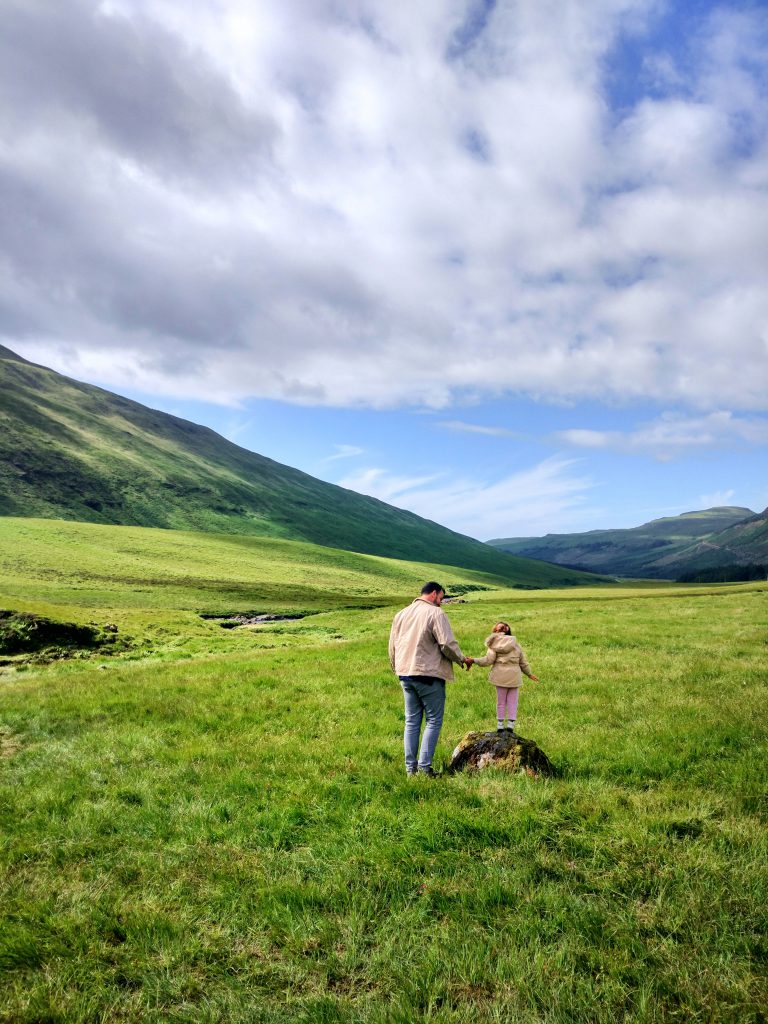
(742,546)
(661,549)
(73,451)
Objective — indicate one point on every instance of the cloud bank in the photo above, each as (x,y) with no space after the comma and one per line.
(675,435)
(532,501)
(371,204)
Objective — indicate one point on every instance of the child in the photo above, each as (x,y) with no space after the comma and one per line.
(508,661)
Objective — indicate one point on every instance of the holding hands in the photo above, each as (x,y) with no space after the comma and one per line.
(468,663)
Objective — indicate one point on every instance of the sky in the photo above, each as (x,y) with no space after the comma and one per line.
(500,262)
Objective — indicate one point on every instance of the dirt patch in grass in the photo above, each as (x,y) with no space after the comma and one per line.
(10,743)
(253,618)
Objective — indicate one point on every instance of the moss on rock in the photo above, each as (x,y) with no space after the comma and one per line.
(478,750)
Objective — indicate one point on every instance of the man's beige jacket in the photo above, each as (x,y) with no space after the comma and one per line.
(421,642)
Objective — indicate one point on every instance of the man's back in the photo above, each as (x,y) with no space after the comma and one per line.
(421,649)
(422,643)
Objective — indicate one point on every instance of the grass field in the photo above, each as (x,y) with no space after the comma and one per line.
(214,825)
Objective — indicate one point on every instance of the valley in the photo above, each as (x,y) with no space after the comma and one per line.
(214,824)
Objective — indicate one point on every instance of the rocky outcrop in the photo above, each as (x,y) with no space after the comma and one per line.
(478,750)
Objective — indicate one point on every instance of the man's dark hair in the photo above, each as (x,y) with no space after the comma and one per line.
(431,588)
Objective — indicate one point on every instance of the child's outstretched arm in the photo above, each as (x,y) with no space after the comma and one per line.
(526,667)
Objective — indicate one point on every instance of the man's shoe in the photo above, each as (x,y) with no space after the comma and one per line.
(428,772)
(411,771)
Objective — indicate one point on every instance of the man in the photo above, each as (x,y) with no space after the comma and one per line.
(421,649)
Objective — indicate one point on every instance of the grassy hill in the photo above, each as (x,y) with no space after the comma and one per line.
(124,567)
(72,451)
(215,825)
(739,552)
(168,590)
(662,549)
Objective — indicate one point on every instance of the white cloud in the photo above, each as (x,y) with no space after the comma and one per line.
(544,498)
(237,429)
(675,434)
(582,438)
(390,487)
(460,427)
(717,500)
(364,204)
(344,451)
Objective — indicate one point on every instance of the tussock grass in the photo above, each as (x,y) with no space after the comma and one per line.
(230,836)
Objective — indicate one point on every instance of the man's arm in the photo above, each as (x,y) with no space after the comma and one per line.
(443,634)
(392,644)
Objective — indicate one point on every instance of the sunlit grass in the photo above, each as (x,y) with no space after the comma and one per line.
(203,832)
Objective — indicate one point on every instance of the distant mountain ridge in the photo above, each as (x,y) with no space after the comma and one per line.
(69,450)
(723,538)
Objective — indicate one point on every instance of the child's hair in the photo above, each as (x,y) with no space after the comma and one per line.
(507,627)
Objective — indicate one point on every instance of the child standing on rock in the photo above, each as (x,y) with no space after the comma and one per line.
(508,662)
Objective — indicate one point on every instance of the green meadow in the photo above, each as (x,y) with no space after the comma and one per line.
(201,824)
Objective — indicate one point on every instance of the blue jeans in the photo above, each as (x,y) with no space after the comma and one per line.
(424,698)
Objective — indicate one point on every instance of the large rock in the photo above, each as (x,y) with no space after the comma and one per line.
(513,753)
